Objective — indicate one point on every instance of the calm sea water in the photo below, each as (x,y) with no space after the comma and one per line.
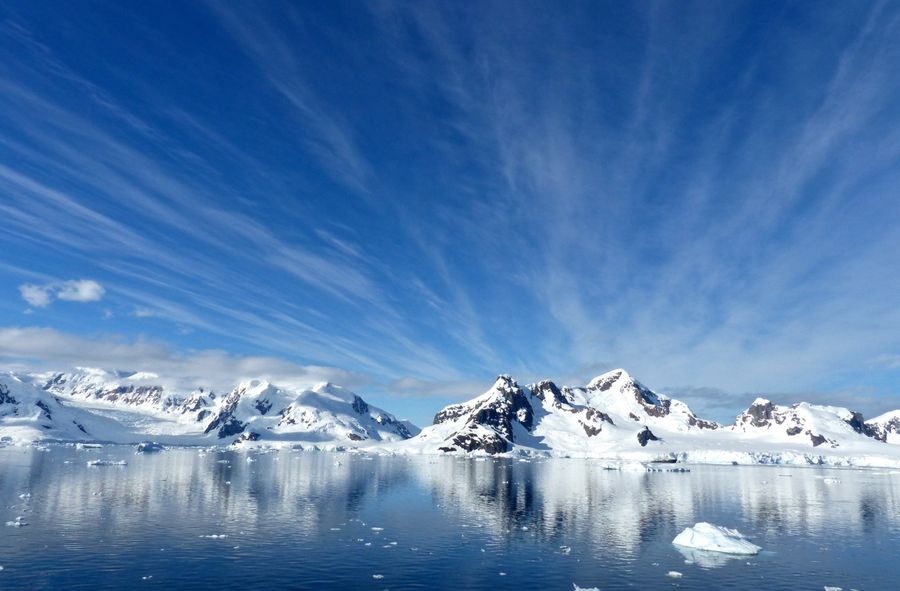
(304,520)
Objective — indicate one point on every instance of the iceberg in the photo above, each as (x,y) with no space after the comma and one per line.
(714,538)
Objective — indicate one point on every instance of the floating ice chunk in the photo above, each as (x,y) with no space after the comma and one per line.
(19,522)
(149,447)
(577,588)
(107,463)
(565,550)
(827,588)
(831,481)
(714,538)
(377,577)
(215,536)
(377,529)
(88,446)
(502,574)
(674,574)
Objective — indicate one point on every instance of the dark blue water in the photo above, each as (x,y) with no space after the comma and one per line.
(301,520)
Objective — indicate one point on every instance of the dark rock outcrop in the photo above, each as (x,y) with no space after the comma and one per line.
(645,436)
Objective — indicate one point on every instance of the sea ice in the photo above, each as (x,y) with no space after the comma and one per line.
(107,463)
(577,588)
(674,574)
(714,538)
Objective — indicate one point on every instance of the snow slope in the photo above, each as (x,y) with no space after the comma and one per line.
(29,413)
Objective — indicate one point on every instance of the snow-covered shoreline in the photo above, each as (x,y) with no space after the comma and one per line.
(613,419)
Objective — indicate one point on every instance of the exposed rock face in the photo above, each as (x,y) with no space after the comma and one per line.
(547,390)
(224,420)
(884,426)
(489,426)
(360,406)
(5,396)
(759,414)
(858,424)
(646,435)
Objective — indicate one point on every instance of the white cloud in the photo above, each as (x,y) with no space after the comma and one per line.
(36,295)
(81,290)
(47,349)
(76,290)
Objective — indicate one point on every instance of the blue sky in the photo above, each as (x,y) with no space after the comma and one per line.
(410,198)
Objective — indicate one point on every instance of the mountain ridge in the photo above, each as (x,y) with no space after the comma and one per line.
(613,416)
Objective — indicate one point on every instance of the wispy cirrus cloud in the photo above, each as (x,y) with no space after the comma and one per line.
(433,195)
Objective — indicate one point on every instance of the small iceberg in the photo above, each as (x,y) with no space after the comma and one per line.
(713,538)
(149,447)
(107,463)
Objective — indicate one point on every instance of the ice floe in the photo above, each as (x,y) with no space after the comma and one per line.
(107,463)
(714,538)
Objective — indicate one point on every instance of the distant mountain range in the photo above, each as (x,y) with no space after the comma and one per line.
(117,407)
(613,417)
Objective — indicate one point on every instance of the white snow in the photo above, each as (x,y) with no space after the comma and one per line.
(715,538)
(601,420)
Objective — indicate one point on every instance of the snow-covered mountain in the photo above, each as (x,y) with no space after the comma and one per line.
(818,425)
(259,410)
(127,407)
(138,391)
(612,409)
(617,417)
(613,417)
(29,413)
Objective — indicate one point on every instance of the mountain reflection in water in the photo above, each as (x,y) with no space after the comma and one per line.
(186,518)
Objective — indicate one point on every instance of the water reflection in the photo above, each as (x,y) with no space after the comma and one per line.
(320,501)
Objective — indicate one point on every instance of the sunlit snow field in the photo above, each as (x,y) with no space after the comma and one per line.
(313,520)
